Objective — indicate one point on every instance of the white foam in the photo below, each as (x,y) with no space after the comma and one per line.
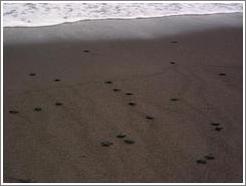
(43,14)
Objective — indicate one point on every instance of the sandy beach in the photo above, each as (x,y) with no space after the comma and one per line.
(141,100)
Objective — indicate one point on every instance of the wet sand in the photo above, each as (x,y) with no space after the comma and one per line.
(125,101)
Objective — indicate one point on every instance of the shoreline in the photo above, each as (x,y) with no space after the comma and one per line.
(120,19)
(148,28)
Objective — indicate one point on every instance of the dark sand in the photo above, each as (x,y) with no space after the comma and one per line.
(146,100)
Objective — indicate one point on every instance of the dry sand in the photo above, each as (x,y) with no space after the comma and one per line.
(185,76)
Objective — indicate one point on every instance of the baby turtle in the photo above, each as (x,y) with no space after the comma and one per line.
(218,128)
(215,124)
(13,112)
(132,104)
(121,135)
(174,99)
(37,109)
(201,161)
(116,90)
(222,74)
(149,117)
(59,104)
(128,141)
(209,157)
(106,143)
(108,82)
(32,74)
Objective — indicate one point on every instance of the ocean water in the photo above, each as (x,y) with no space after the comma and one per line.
(44,14)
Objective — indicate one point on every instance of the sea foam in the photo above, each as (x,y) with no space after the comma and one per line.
(44,14)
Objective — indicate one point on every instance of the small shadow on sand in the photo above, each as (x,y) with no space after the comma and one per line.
(129,94)
(106,143)
(172,62)
(19,180)
(13,112)
(174,42)
(86,51)
(26,180)
(57,80)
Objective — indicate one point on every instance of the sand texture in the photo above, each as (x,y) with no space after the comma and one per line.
(156,107)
